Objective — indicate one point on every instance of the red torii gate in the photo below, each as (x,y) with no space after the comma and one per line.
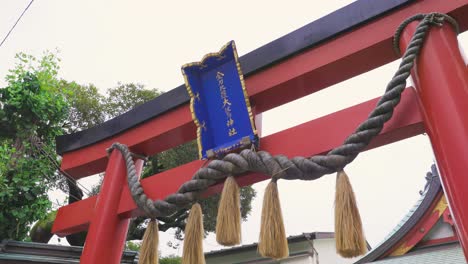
(442,89)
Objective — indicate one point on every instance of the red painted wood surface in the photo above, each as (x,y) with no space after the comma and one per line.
(311,138)
(107,232)
(351,54)
(438,241)
(419,230)
(442,83)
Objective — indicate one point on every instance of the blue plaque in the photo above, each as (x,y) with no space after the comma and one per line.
(219,103)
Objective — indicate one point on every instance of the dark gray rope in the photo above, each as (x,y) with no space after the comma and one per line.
(280,167)
(436,19)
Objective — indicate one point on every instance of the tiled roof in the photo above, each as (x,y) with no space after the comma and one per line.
(452,254)
(27,252)
(291,239)
(432,188)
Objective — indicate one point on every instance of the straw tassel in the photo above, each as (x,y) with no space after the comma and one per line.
(193,241)
(228,221)
(149,246)
(272,242)
(349,235)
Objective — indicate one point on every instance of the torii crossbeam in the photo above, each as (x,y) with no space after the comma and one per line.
(355,43)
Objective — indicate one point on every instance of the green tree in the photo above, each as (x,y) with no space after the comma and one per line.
(85,111)
(124,97)
(85,106)
(33,110)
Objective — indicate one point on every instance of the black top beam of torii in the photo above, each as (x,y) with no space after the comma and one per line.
(312,34)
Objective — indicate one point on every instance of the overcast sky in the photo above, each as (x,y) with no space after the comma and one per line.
(106,42)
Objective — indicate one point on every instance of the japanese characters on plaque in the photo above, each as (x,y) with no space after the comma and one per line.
(219,103)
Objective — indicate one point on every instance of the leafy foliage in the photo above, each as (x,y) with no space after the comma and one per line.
(170,260)
(33,109)
(40,231)
(124,97)
(134,246)
(85,106)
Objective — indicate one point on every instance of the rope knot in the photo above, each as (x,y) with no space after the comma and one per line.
(436,19)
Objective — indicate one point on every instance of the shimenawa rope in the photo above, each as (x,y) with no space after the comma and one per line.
(280,167)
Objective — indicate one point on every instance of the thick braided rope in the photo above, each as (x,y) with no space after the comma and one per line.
(280,167)
(437,19)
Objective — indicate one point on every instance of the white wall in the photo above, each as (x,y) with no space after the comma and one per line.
(327,253)
(301,253)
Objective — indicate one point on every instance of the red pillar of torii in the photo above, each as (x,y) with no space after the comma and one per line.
(345,56)
(107,231)
(442,84)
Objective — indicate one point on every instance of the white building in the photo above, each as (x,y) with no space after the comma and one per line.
(310,248)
